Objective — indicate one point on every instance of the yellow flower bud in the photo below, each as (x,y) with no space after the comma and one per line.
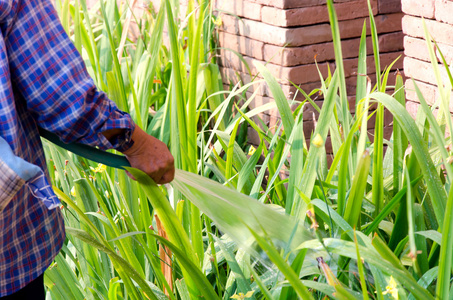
(251,150)
(318,142)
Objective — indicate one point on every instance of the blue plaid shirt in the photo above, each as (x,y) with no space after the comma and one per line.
(43,82)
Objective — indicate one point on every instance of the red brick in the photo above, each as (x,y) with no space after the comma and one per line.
(429,91)
(242,45)
(329,159)
(297,74)
(444,11)
(232,76)
(274,16)
(315,14)
(351,83)
(307,35)
(243,64)
(391,42)
(255,30)
(384,24)
(351,104)
(241,8)
(348,29)
(291,56)
(417,48)
(350,65)
(265,118)
(360,9)
(421,70)
(388,131)
(389,6)
(388,119)
(440,32)
(412,108)
(290,91)
(387,59)
(294,3)
(387,134)
(258,100)
(289,3)
(253,137)
(424,8)
(274,122)
(274,112)
(303,74)
(310,113)
(293,93)
(309,128)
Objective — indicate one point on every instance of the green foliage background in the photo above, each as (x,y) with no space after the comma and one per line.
(369,226)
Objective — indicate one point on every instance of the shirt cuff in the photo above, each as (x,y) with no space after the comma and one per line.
(121,142)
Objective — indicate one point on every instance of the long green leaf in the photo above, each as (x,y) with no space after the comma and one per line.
(435,187)
(283,266)
(310,168)
(436,132)
(372,257)
(170,222)
(361,68)
(399,139)
(344,105)
(444,92)
(443,282)
(354,204)
(232,211)
(165,213)
(297,161)
(120,262)
(282,103)
(146,66)
(195,274)
(243,285)
(343,180)
(178,100)
(192,121)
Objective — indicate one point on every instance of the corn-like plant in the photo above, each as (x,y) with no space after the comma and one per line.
(373,224)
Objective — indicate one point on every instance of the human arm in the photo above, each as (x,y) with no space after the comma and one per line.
(49,74)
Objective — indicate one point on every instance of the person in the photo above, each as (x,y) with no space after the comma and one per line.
(43,82)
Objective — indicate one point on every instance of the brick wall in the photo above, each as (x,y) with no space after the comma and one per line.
(438,15)
(289,34)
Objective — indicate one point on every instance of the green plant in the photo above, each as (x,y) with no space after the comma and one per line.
(370,225)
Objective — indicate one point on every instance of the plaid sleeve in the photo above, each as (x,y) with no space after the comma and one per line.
(51,76)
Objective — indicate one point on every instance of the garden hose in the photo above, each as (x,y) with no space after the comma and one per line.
(91,153)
